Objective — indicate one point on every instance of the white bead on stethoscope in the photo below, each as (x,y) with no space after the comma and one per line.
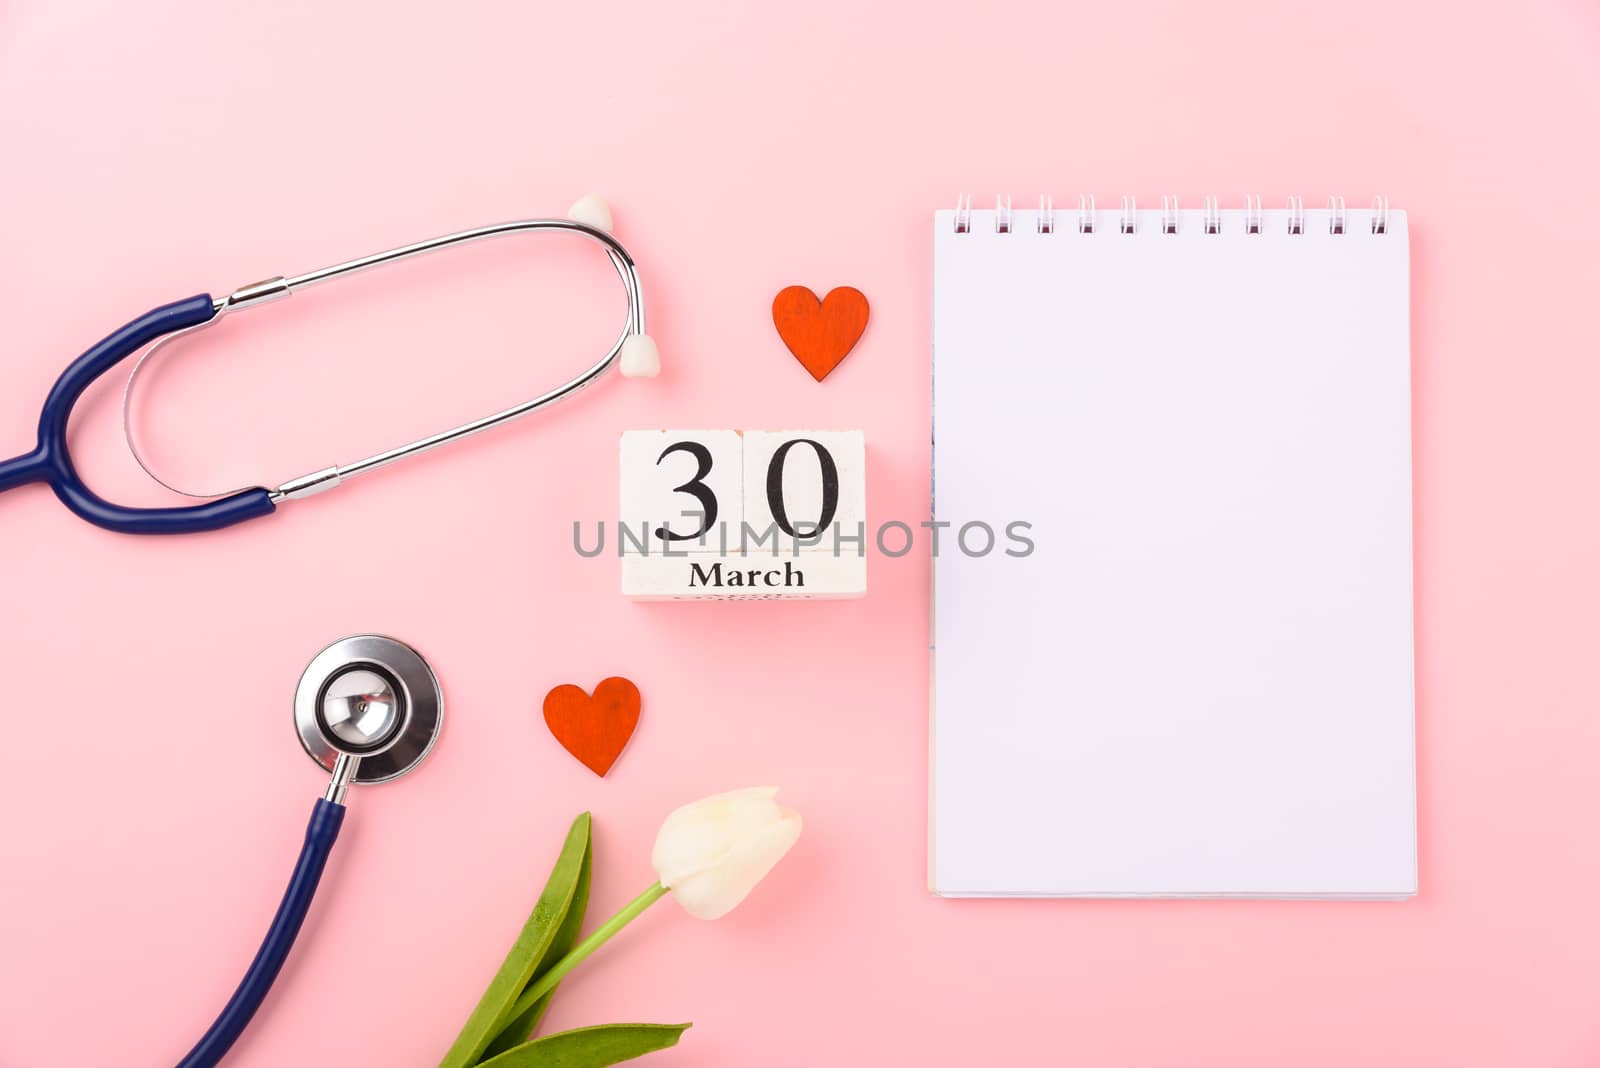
(639,358)
(592,212)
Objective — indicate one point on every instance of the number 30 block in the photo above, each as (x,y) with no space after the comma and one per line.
(743,515)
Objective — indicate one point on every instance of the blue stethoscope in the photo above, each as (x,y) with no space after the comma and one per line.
(368,709)
(50,461)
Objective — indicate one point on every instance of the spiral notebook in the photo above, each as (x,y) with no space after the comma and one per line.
(1198,682)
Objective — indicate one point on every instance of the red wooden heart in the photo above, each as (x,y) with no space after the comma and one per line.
(593,729)
(820,333)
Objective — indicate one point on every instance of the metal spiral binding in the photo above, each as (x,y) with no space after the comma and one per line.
(1128,219)
(1252,214)
(1169,215)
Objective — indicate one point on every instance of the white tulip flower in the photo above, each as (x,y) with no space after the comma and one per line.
(712,853)
(709,854)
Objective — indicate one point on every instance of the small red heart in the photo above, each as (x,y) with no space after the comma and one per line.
(593,729)
(820,333)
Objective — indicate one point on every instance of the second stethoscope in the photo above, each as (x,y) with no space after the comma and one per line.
(50,461)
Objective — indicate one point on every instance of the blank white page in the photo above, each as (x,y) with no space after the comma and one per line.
(1200,681)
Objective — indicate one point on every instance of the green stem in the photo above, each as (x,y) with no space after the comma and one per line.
(558,971)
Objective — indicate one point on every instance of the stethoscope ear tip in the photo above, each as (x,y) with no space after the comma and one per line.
(639,357)
(591,211)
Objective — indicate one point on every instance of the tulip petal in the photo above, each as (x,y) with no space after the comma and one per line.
(716,890)
(698,835)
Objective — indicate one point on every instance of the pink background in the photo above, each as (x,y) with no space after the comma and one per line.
(155,791)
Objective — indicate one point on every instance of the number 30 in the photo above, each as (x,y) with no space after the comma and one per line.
(696,487)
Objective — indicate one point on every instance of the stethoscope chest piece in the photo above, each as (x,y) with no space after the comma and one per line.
(372,698)
(367,709)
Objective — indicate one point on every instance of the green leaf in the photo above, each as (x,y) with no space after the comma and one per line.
(521,1027)
(590,1047)
(548,915)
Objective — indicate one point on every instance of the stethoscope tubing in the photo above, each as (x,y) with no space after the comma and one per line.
(321,833)
(51,462)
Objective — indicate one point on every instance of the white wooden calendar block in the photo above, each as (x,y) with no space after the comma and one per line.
(681,490)
(807,488)
(724,514)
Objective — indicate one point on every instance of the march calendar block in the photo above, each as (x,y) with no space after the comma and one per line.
(742,515)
